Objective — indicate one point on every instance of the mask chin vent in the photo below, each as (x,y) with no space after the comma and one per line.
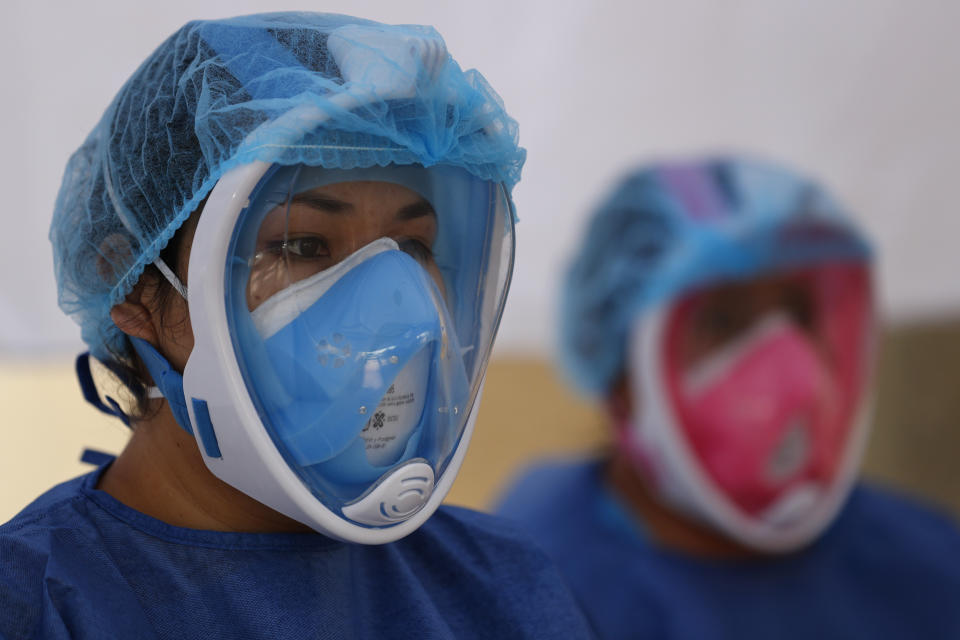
(396,497)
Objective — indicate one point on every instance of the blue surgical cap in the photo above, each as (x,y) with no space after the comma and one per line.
(669,229)
(186,116)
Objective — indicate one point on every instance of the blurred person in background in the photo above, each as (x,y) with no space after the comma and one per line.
(723,310)
(290,237)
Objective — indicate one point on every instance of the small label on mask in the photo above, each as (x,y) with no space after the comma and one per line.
(388,429)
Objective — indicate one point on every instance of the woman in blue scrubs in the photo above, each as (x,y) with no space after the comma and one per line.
(723,310)
(290,238)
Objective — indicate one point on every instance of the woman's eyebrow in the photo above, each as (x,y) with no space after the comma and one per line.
(418,209)
(322,203)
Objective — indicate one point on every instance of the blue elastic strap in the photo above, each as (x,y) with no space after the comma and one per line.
(169,381)
(96,458)
(205,428)
(90,393)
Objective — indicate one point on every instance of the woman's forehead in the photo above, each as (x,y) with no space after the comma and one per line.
(360,192)
(347,204)
(384,201)
(756,288)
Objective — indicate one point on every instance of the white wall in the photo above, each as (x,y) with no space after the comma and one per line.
(864,93)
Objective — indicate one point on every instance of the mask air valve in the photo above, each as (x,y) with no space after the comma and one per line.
(396,497)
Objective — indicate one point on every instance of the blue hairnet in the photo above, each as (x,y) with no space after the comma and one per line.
(186,116)
(669,229)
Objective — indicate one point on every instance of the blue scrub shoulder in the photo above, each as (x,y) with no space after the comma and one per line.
(888,567)
(77,563)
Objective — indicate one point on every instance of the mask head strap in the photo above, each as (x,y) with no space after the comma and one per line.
(169,381)
(90,393)
(171,277)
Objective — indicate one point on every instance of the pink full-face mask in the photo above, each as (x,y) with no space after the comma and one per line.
(760,437)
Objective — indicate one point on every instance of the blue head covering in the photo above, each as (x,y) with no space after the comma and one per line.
(194,110)
(669,229)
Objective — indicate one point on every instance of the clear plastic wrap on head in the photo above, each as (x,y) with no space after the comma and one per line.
(196,108)
(670,229)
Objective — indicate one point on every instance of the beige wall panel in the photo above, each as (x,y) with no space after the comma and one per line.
(527,413)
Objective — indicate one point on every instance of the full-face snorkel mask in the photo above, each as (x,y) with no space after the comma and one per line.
(341,342)
(340,390)
(761,437)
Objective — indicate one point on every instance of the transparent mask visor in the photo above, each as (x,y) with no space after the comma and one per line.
(362,306)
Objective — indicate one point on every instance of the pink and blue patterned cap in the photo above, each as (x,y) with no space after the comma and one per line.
(670,229)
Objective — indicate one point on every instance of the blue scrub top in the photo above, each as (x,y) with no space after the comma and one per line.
(79,564)
(886,568)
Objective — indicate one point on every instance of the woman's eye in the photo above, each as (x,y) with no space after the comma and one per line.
(416,250)
(306,247)
(801,309)
(720,324)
